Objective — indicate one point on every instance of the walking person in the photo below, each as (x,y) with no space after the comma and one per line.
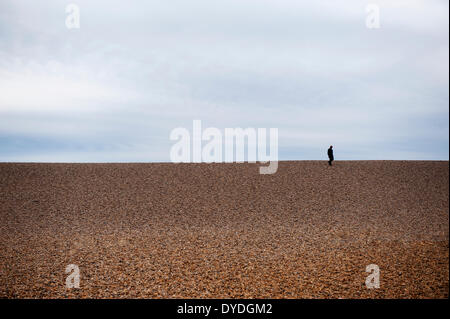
(330,155)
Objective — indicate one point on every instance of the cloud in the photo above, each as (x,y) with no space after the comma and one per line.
(115,88)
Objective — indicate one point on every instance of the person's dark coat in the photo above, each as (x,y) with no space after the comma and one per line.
(330,154)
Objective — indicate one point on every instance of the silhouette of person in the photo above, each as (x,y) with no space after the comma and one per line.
(330,155)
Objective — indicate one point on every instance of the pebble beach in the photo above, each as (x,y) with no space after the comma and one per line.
(164,230)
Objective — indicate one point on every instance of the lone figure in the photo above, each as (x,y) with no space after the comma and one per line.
(330,155)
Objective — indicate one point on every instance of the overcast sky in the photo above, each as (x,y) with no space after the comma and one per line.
(112,90)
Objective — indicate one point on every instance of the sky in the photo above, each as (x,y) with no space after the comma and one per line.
(113,89)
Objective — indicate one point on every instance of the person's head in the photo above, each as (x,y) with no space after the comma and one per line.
(331,146)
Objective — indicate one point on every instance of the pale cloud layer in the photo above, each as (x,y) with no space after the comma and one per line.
(114,89)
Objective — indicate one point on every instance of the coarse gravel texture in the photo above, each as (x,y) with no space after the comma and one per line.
(165,230)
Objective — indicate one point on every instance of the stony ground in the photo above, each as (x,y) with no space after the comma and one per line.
(224,231)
